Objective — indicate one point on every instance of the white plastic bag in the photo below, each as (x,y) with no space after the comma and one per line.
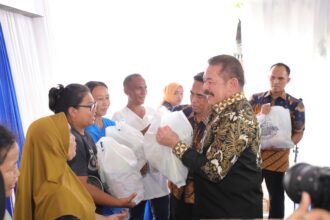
(276,128)
(125,134)
(118,169)
(161,157)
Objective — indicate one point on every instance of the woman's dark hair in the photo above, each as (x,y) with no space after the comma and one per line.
(62,98)
(7,140)
(92,84)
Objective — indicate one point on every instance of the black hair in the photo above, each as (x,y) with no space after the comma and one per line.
(62,98)
(231,67)
(7,140)
(199,77)
(128,78)
(92,84)
(287,68)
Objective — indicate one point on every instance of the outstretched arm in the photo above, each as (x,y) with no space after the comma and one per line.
(103,198)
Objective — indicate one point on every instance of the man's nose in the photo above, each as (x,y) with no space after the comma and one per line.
(276,80)
(205,87)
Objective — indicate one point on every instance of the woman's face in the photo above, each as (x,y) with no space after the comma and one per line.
(9,169)
(101,96)
(72,147)
(177,97)
(84,115)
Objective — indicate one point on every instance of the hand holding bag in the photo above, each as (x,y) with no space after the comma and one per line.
(161,157)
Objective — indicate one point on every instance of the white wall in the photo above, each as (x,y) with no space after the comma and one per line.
(164,41)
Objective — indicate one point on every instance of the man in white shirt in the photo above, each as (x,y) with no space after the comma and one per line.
(139,117)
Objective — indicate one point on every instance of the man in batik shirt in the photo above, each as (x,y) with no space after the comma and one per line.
(183,198)
(276,161)
(227,174)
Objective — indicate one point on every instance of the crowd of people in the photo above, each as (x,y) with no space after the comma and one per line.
(59,175)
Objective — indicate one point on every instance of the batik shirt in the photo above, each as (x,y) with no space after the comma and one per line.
(227,174)
(279,160)
(232,127)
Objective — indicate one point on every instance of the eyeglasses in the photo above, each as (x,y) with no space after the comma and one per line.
(90,106)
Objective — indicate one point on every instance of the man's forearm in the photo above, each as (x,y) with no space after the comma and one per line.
(195,161)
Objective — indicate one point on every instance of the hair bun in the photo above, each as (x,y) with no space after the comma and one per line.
(54,96)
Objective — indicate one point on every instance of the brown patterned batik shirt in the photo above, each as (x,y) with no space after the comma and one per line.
(232,128)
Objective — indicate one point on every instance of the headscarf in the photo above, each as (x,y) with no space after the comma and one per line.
(47,187)
(169,91)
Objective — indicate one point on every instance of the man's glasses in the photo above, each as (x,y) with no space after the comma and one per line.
(90,106)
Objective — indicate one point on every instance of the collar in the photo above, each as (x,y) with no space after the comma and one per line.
(218,108)
(204,121)
(283,94)
(193,117)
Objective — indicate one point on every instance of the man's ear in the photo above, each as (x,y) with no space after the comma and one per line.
(126,90)
(234,83)
(288,80)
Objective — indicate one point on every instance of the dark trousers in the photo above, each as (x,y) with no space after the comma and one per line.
(160,208)
(180,210)
(274,183)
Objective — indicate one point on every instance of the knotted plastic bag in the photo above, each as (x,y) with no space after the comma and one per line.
(161,157)
(125,134)
(118,169)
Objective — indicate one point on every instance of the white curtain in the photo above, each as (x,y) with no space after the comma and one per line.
(26,42)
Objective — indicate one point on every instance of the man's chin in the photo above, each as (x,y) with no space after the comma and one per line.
(195,110)
(211,100)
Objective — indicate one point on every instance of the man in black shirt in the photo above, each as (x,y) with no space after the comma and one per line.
(227,173)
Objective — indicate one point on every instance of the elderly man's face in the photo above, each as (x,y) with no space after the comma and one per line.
(215,87)
(136,90)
